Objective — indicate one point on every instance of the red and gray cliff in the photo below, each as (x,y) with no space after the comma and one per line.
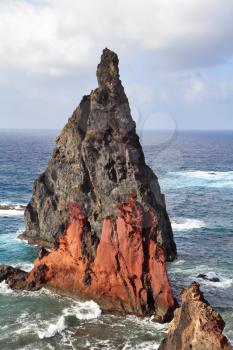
(100,206)
(98,163)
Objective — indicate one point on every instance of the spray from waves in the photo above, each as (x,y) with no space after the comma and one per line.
(53,329)
(198,178)
(181,224)
(10,209)
(223,283)
(4,289)
(83,310)
(23,265)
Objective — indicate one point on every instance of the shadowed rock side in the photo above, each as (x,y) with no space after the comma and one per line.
(97,162)
(196,325)
(128,273)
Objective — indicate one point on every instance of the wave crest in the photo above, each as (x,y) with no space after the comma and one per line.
(10,209)
(199,178)
(186,224)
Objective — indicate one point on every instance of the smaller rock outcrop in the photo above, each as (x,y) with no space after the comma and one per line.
(196,325)
(211,278)
(14,277)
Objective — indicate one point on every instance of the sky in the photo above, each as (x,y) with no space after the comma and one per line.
(176,60)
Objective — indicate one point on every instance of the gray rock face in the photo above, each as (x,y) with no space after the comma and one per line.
(98,162)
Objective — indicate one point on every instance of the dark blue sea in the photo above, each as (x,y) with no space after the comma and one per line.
(195,171)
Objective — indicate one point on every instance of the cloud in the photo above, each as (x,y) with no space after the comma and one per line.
(195,88)
(56,37)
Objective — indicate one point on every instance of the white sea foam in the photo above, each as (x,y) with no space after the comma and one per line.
(11,212)
(208,175)
(26,266)
(4,289)
(224,282)
(11,209)
(179,262)
(147,345)
(83,310)
(53,328)
(180,224)
(198,178)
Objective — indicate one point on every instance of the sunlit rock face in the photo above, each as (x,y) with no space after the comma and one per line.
(196,325)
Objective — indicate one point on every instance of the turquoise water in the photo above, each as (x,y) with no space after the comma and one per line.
(195,171)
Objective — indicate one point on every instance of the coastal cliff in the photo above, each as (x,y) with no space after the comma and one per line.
(98,163)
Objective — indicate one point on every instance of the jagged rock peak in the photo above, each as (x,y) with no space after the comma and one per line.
(107,70)
(196,325)
(97,162)
(102,208)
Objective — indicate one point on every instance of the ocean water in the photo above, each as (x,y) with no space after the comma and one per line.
(195,171)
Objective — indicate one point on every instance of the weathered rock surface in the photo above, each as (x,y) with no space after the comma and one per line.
(97,162)
(14,277)
(128,274)
(196,325)
(101,206)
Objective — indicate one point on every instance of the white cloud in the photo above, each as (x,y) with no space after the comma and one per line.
(57,36)
(195,89)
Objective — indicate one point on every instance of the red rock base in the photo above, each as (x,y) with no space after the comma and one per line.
(128,273)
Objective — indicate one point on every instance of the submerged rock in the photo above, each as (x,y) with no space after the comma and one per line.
(196,325)
(209,277)
(97,162)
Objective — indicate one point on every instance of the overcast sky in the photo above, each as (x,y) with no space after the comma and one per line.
(176,59)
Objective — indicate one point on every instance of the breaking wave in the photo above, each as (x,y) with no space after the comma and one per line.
(181,224)
(9,209)
(198,178)
(83,310)
(53,329)
(224,282)
(4,289)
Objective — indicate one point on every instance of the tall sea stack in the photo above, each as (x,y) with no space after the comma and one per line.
(100,206)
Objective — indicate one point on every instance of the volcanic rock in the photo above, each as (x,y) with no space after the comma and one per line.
(196,325)
(208,278)
(97,162)
(128,273)
(102,208)
(14,277)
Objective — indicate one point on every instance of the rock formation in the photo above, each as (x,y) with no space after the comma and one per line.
(101,208)
(14,277)
(128,273)
(98,163)
(196,325)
